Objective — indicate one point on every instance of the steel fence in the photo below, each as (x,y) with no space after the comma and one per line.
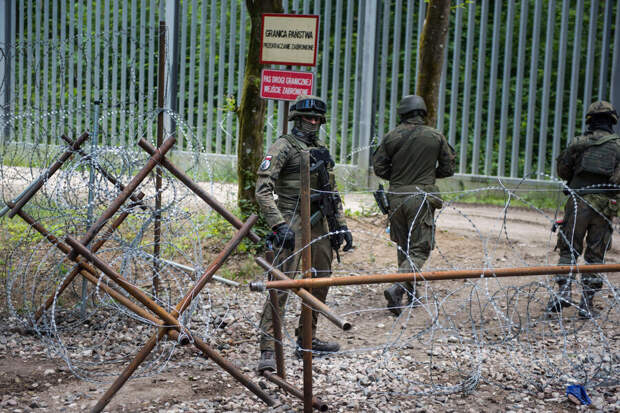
(517,80)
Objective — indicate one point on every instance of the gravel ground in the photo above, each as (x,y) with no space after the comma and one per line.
(471,346)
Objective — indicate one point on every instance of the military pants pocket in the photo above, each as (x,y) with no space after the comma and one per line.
(429,232)
(611,208)
(435,201)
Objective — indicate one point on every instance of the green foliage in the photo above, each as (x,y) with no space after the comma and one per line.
(529,199)
(230,104)
(19,231)
(363,212)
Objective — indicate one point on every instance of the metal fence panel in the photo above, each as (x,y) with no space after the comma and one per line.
(65,55)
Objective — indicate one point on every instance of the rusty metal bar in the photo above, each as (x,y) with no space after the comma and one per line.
(212,202)
(160,133)
(180,308)
(434,276)
(308,298)
(77,268)
(40,181)
(306,264)
(277,325)
(216,264)
(134,197)
(129,189)
(136,292)
(207,351)
(289,388)
(90,272)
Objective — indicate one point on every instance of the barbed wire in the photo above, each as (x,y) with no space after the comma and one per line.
(451,336)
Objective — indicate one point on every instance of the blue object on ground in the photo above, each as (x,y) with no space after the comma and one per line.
(579,392)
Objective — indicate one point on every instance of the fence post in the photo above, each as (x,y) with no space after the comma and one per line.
(5,74)
(368,86)
(615,74)
(172,20)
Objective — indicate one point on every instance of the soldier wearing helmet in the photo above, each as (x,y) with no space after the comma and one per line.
(412,156)
(590,167)
(279,174)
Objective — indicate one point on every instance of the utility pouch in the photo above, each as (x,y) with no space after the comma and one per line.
(599,158)
(435,201)
(611,209)
(382,201)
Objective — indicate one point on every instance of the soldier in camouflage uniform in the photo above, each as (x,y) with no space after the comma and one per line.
(590,166)
(279,174)
(411,157)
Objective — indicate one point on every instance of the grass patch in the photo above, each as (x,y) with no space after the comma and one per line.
(526,199)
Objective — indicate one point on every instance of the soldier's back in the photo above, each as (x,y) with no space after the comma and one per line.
(415,149)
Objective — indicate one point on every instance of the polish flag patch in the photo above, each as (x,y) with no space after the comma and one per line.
(266,163)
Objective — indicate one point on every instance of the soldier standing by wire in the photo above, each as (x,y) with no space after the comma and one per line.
(279,174)
(411,157)
(590,166)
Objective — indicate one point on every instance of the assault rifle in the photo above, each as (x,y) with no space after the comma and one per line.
(328,205)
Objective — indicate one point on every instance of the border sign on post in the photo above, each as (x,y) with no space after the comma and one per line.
(285,84)
(289,39)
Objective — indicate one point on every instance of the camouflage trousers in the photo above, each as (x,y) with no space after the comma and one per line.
(583,221)
(412,229)
(288,262)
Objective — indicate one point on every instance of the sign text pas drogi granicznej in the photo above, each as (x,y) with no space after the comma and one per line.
(289,39)
(285,84)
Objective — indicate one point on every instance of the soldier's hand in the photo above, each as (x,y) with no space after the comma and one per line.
(284,237)
(348,238)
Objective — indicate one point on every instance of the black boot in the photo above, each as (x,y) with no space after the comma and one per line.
(394,296)
(586,306)
(267,361)
(561,299)
(318,346)
(413,297)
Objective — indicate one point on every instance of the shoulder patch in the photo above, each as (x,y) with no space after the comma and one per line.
(266,163)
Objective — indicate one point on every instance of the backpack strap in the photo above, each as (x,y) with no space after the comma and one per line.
(604,139)
(294,142)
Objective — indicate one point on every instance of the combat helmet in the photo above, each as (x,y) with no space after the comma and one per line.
(308,105)
(410,103)
(601,107)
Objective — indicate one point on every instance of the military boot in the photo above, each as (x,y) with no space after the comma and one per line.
(561,299)
(394,296)
(413,297)
(267,361)
(586,306)
(318,346)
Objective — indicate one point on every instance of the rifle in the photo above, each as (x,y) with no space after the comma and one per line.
(328,205)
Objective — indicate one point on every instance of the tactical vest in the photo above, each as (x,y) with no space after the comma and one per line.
(288,184)
(598,158)
(595,166)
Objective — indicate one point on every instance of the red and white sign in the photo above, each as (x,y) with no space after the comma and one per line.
(285,84)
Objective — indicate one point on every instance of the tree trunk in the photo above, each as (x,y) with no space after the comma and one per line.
(432,53)
(251,111)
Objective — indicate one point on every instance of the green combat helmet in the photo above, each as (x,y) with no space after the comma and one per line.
(601,107)
(308,105)
(410,103)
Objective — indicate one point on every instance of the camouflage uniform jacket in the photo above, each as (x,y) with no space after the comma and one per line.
(414,155)
(279,174)
(570,159)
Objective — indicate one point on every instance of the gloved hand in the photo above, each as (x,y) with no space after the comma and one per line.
(284,237)
(348,238)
